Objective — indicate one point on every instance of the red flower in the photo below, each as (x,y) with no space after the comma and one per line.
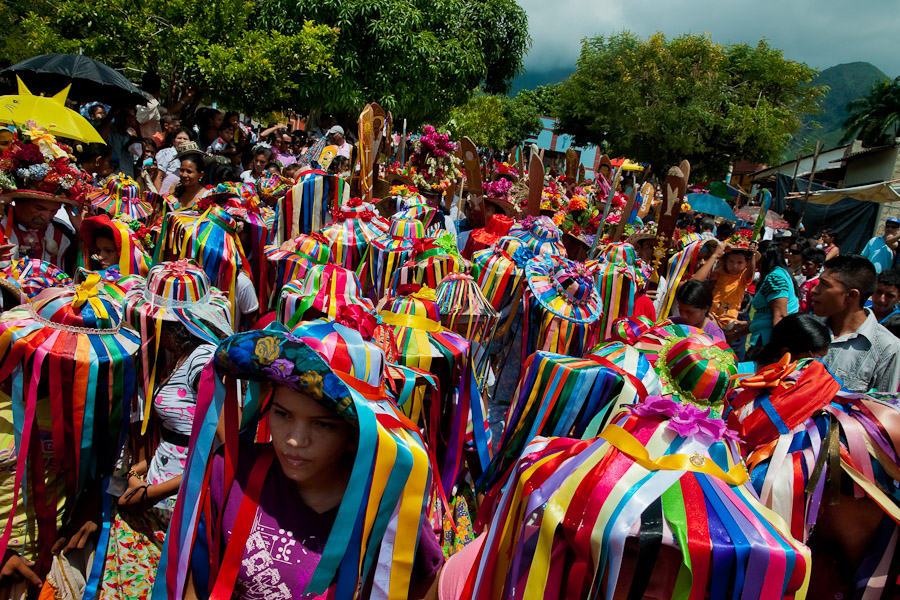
(354,202)
(356,317)
(27,155)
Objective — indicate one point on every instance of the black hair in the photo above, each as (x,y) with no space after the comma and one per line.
(772,258)
(222,172)
(707,224)
(816,256)
(150,82)
(832,233)
(262,151)
(694,293)
(792,217)
(800,241)
(273,164)
(149,142)
(725,230)
(855,272)
(87,152)
(169,141)
(799,333)
(201,165)
(890,277)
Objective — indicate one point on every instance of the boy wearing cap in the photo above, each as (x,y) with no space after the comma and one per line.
(878,249)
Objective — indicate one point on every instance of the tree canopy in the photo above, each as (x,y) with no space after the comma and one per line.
(663,100)
(875,119)
(416,59)
(498,121)
(216,46)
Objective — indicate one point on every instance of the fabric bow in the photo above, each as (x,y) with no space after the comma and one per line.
(356,317)
(771,376)
(86,290)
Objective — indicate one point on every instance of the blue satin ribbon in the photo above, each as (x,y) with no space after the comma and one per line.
(738,540)
(90,590)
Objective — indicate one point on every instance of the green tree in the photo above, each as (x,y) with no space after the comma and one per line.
(482,120)
(522,118)
(662,100)
(875,119)
(416,59)
(217,46)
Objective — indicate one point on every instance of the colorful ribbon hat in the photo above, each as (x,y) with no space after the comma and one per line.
(486,237)
(389,252)
(132,258)
(562,309)
(328,290)
(175,292)
(70,348)
(309,204)
(620,274)
(498,276)
(354,228)
(431,260)
(34,276)
(293,259)
(541,235)
(121,197)
(385,512)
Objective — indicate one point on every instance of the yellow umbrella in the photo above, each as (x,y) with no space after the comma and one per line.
(48,113)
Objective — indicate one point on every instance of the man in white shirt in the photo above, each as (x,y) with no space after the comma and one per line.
(336,138)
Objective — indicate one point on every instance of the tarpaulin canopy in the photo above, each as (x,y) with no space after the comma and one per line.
(885,191)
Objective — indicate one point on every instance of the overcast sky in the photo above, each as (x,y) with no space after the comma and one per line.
(821,33)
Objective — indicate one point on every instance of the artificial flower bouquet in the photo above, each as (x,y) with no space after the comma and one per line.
(433,162)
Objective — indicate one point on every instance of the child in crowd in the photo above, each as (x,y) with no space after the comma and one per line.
(813,259)
(729,280)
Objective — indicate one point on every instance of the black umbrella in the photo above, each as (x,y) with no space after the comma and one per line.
(90,79)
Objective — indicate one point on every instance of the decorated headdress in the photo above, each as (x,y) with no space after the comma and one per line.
(386,513)
(415,207)
(36,166)
(811,444)
(211,241)
(69,346)
(568,510)
(665,463)
(431,260)
(620,274)
(295,257)
(354,228)
(498,276)
(386,254)
(132,258)
(309,204)
(329,290)
(566,396)
(465,310)
(540,234)
(121,197)
(177,292)
(682,264)
(422,343)
(562,309)
(488,236)
(628,329)
(346,351)
(271,187)
(34,276)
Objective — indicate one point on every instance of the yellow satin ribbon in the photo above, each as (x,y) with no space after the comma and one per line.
(412,321)
(628,444)
(88,290)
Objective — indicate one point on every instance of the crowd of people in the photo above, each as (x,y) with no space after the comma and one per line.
(224,374)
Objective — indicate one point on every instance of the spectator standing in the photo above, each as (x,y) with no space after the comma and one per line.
(829,243)
(336,138)
(281,150)
(813,259)
(878,250)
(887,292)
(776,296)
(863,353)
(261,158)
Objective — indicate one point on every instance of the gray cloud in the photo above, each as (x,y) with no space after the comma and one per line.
(821,33)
